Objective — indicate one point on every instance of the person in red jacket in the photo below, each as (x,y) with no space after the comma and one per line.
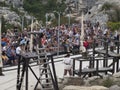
(86,44)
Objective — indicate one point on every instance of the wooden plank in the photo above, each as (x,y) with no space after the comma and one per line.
(91,70)
(29,55)
(101,51)
(112,54)
(105,69)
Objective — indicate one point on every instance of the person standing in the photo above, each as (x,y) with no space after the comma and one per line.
(68,64)
(18,51)
(11,55)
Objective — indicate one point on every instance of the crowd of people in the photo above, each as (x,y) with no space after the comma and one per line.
(67,38)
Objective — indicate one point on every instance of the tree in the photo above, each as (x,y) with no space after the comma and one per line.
(114,25)
(3,24)
(38,9)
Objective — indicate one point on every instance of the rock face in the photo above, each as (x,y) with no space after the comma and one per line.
(11,15)
(115,87)
(85,88)
(73,81)
(116,75)
(96,15)
(91,83)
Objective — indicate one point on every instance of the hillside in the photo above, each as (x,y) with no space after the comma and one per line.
(15,12)
(39,8)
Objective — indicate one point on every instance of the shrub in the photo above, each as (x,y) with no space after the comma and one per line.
(114,25)
(108,82)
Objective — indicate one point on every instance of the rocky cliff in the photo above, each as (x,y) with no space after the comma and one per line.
(96,15)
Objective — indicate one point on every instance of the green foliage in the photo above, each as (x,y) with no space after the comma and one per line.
(114,25)
(15,10)
(108,82)
(3,24)
(8,26)
(2,4)
(64,20)
(38,9)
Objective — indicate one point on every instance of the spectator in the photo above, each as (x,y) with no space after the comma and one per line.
(86,44)
(11,55)
(4,58)
(18,51)
(44,41)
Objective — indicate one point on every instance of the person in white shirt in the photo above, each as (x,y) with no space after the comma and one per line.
(68,64)
(18,51)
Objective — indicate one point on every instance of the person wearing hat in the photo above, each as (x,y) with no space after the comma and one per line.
(68,63)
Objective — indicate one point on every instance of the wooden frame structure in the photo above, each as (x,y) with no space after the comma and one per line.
(93,60)
(25,66)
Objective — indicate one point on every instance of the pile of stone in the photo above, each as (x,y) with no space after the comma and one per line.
(91,83)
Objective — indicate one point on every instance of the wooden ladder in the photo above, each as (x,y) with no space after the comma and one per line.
(46,78)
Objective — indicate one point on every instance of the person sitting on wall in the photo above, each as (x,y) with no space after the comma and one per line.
(4,58)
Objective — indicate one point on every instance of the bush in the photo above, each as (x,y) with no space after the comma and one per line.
(114,25)
(108,82)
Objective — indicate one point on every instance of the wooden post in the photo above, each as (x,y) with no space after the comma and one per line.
(118,45)
(97,66)
(106,60)
(93,58)
(1,64)
(114,65)
(73,67)
(26,69)
(54,73)
(80,69)
(106,54)
(31,37)
(82,48)
(18,73)
(117,65)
